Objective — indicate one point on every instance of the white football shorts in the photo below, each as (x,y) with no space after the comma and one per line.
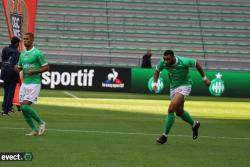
(29,92)
(184,90)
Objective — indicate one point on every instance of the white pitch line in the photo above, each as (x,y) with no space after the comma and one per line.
(71,95)
(129,133)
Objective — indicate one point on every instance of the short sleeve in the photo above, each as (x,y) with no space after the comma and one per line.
(160,65)
(190,62)
(42,59)
(19,64)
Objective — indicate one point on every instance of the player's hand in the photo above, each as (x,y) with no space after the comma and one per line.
(207,82)
(30,72)
(154,89)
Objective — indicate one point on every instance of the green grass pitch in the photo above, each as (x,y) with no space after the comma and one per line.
(119,130)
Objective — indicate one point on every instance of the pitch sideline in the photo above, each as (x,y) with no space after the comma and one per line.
(128,133)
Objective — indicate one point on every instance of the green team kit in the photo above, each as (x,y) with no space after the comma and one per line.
(32,59)
(29,91)
(179,72)
(180,81)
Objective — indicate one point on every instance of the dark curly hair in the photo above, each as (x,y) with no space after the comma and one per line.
(15,40)
(169,52)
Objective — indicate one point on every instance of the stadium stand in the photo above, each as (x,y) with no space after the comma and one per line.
(118,32)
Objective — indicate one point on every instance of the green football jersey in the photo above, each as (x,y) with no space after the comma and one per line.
(32,59)
(179,72)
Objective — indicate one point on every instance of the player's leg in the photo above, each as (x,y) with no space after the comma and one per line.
(170,118)
(168,123)
(28,110)
(29,121)
(26,116)
(33,96)
(181,94)
(183,114)
(38,119)
(187,118)
(27,100)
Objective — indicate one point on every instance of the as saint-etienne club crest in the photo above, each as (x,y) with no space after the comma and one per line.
(160,85)
(217,87)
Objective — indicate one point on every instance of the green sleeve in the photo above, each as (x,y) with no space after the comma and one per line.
(190,62)
(19,63)
(42,59)
(160,65)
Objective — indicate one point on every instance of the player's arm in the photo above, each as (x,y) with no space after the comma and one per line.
(17,69)
(158,69)
(19,66)
(205,79)
(44,68)
(156,76)
(16,60)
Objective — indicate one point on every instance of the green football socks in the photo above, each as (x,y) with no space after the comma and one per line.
(169,121)
(186,117)
(29,121)
(30,113)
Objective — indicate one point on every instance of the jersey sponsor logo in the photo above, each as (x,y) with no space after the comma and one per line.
(113,80)
(82,78)
(28,66)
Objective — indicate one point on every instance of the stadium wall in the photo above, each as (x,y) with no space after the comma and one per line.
(135,80)
(236,83)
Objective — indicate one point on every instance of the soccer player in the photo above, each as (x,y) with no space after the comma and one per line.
(33,63)
(180,88)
